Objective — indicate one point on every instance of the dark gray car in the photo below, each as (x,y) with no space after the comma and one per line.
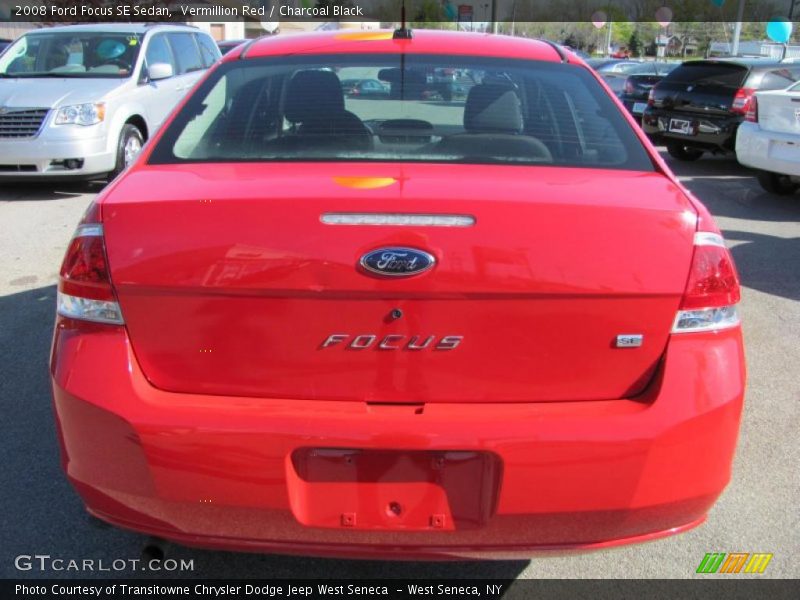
(698,107)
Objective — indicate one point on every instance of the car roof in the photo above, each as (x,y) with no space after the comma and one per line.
(752,63)
(606,61)
(382,42)
(114,28)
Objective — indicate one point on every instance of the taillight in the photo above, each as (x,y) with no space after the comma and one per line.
(712,292)
(651,97)
(84,288)
(628,86)
(752,111)
(742,100)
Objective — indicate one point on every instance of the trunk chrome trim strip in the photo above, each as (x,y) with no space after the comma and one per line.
(398,219)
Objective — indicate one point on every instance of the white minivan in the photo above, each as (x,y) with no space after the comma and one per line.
(79,101)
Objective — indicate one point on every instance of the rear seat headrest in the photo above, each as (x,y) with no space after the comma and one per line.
(493,108)
(313,94)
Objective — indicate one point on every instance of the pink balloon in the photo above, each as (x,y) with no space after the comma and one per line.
(664,16)
(599,19)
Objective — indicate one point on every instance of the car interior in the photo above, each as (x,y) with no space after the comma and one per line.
(304,113)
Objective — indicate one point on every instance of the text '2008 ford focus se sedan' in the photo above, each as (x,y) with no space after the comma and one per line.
(403,325)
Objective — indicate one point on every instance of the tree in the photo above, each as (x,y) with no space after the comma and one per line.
(634,44)
(426,12)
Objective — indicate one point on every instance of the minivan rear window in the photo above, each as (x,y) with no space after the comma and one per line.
(422,109)
(709,73)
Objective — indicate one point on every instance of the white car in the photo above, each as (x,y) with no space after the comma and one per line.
(80,101)
(769,139)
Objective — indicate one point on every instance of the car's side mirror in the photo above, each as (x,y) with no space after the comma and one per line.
(158,71)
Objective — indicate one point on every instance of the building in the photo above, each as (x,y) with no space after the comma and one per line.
(763,48)
(12,31)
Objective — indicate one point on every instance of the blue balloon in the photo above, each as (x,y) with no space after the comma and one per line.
(779,30)
(718,2)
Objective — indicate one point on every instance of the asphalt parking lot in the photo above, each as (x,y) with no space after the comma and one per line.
(757,513)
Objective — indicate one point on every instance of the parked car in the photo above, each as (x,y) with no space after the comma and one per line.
(282,330)
(612,65)
(638,83)
(80,101)
(226,46)
(769,139)
(4,43)
(614,72)
(698,107)
(578,52)
(364,88)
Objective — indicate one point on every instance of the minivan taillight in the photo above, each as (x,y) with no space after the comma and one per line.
(752,111)
(84,287)
(712,292)
(742,100)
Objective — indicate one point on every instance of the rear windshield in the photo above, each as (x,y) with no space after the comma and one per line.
(416,108)
(711,74)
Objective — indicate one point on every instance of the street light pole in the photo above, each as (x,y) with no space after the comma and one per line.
(495,28)
(737,29)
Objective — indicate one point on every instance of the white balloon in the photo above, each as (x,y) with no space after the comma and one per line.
(664,16)
(269,26)
(599,19)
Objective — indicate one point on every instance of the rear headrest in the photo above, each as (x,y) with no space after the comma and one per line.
(493,108)
(313,93)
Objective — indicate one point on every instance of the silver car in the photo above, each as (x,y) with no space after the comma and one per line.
(80,101)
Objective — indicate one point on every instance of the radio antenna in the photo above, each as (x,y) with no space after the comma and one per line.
(403,33)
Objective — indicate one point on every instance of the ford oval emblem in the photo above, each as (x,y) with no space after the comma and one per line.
(397,262)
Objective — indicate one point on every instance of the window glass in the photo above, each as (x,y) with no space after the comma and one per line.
(778,79)
(187,54)
(71,54)
(624,67)
(208,50)
(713,74)
(158,51)
(191,139)
(643,69)
(487,111)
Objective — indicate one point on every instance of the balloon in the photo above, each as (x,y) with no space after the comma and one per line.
(718,3)
(599,19)
(664,16)
(779,30)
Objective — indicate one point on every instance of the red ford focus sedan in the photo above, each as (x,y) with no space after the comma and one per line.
(476,321)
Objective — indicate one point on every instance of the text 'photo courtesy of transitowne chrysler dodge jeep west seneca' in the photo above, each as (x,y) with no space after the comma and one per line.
(397,324)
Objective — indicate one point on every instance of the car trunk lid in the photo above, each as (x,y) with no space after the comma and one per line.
(230,282)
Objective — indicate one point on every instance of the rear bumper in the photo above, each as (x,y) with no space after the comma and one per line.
(223,472)
(709,133)
(768,150)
